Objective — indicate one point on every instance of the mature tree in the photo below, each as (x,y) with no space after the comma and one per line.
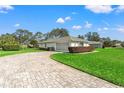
(92,36)
(81,36)
(47,35)
(33,44)
(95,36)
(88,36)
(23,35)
(58,33)
(106,42)
(38,36)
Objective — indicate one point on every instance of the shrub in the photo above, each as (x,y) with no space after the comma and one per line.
(23,46)
(41,48)
(80,49)
(0,46)
(9,43)
(30,46)
(33,44)
(11,47)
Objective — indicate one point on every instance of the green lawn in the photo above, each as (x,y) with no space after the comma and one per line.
(107,64)
(25,50)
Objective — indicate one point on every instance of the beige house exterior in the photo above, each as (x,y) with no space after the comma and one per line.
(94,44)
(62,44)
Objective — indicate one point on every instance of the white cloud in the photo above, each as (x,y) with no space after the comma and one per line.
(76,27)
(16,25)
(63,20)
(5,8)
(68,18)
(105,28)
(100,8)
(120,29)
(120,8)
(60,20)
(87,25)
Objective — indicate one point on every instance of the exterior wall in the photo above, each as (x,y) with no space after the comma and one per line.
(51,45)
(86,45)
(75,44)
(118,45)
(62,47)
(96,45)
(47,45)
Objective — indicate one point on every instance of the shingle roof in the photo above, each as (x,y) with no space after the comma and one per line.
(64,39)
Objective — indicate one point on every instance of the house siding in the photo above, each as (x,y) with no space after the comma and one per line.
(96,45)
(75,44)
(51,45)
(62,47)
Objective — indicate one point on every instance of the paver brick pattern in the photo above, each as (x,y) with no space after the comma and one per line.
(37,70)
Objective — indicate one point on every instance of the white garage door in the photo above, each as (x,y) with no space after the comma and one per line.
(62,47)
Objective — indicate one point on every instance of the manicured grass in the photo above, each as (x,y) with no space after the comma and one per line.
(107,64)
(25,50)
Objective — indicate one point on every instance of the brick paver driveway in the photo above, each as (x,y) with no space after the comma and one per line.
(36,70)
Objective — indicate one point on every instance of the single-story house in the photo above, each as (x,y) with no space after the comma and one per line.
(62,44)
(118,45)
(94,44)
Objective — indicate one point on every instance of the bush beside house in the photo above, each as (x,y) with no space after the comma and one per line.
(33,44)
(80,49)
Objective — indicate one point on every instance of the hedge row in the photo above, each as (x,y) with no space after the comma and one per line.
(80,49)
(10,47)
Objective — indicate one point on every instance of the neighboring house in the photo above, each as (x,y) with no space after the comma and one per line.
(94,44)
(62,44)
(118,45)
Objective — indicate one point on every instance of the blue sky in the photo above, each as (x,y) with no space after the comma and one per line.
(106,20)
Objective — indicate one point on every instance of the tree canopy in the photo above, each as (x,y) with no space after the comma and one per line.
(107,42)
(7,39)
(92,36)
(58,33)
(8,42)
(22,35)
(38,36)
(81,36)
